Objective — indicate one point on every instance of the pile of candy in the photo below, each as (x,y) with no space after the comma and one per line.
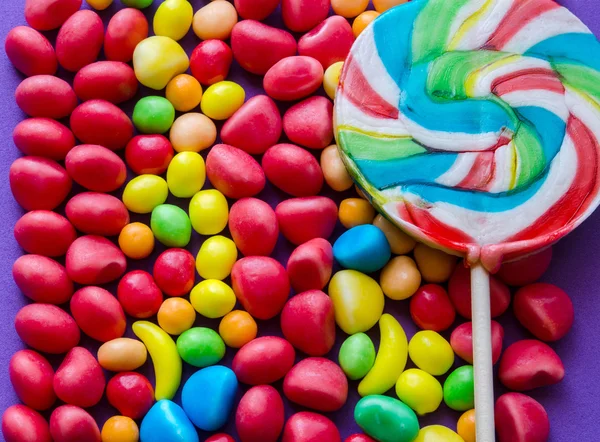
(99,147)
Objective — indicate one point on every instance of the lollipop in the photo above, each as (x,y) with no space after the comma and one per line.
(474,125)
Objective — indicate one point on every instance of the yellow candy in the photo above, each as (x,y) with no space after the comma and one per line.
(420,391)
(349,8)
(176,315)
(357,300)
(209,212)
(156,60)
(331,78)
(192,132)
(400,278)
(136,240)
(437,433)
(222,99)
(99,5)
(216,258)
(355,212)
(215,20)
(184,92)
(434,265)
(334,171)
(173,19)
(431,352)
(186,174)
(466,426)
(213,298)
(143,193)
(400,242)
(120,429)
(237,328)
(362,21)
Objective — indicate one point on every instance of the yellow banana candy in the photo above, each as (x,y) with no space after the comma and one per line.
(166,360)
(390,361)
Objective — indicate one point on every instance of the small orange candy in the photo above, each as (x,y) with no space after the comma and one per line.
(466,426)
(184,92)
(237,328)
(362,21)
(355,212)
(384,5)
(176,315)
(136,241)
(120,429)
(349,8)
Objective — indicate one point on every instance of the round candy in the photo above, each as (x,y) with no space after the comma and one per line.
(364,248)
(384,5)
(253,226)
(400,242)
(263,360)
(435,433)
(120,428)
(212,298)
(200,347)
(459,393)
(431,352)
(176,315)
(331,78)
(144,193)
(99,5)
(216,258)
(357,356)
(136,241)
(184,91)
(237,328)
(150,61)
(122,354)
(139,295)
(125,30)
(210,61)
(334,171)
(434,265)
(171,225)
(167,421)
(215,21)
(355,212)
(174,272)
(400,278)
(222,99)
(148,154)
(186,174)
(209,212)
(461,340)
(131,393)
(153,115)
(420,391)
(466,426)
(192,132)
(431,309)
(173,19)
(349,8)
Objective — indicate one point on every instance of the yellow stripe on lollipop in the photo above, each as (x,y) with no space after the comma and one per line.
(468,24)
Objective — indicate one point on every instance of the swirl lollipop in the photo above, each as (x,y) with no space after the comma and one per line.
(474,125)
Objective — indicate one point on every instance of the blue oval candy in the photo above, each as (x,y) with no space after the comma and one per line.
(364,248)
(208,395)
(166,421)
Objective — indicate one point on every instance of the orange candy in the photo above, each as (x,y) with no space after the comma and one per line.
(355,212)
(176,315)
(136,241)
(466,426)
(362,21)
(184,92)
(237,328)
(384,5)
(349,8)
(120,429)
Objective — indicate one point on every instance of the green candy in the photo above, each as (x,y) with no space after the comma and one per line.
(139,4)
(200,347)
(357,356)
(153,115)
(386,419)
(459,389)
(171,225)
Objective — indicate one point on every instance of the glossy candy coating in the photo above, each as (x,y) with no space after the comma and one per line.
(171,225)
(112,81)
(94,260)
(46,15)
(357,356)
(431,309)
(234,172)
(79,40)
(459,389)
(307,426)
(221,100)
(419,390)
(122,354)
(103,123)
(309,123)
(216,258)
(120,429)
(139,295)
(144,193)
(47,328)
(30,52)
(302,15)
(331,78)
(200,347)
(149,154)
(263,360)
(186,174)
(386,419)
(97,213)
(461,340)
(364,248)
(253,227)
(125,30)
(131,394)
(173,19)
(334,171)
(215,21)
(136,241)
(176,315)
(431,352)
(23,424)
(306,218)
(310,265)
(329,42)
(43,137)
(210,61)
(43,232)
(466,426)
(98,313)
(184,92)
(237,328)
(434,265)
(79,380)
(45,96)
(362,21)
(212,298)
(153,115)
(96,168)
(42,279)
(167,421)
(400,278)
(209,213)
(260,415)
(434,433)
(71,423)
(192,132)
(521,418)
(149,61)
(349,8)
(31,377)
(293,78)
(174,272)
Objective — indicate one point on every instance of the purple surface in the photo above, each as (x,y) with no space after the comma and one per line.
(573,405)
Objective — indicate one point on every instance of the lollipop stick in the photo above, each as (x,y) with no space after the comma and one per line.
(482,354)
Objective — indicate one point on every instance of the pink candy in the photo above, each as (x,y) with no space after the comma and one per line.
(302,15)
(526,270)
(520,418)
(329,42)
(310,265)
(69,423)
(43,137)
(30,52)
(125,30)
(79,380)
(31,376)
(174,273)
(461,341)
(233,172)
(47,328)
(260,415)
(263,360)
(22,424)
(310,427)
(293,170)
(113,81)
(293,78)
(310,123)
(96,168)
(98,313)
(79,40)
(45,96)
(94,260)
(431,309)
(131,393)
(43,232)
(42,279)
(253,226)
(45,15)
(303,219)
(97,213)
(103,123)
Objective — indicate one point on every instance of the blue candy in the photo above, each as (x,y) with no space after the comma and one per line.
(364,248)
(208,396)
(166,421)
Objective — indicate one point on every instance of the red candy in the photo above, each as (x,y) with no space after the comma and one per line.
(261,285)
(96,168)
(22,424)
(431,309)
(30,52)
(139,295)
(221,437)
(45,96)
(97,213)
(253,227)
(255,9)
(525,270)
(255,126)
(47,328)
(316,383)
(45,15)
(93,260)
(530,364)
(263,360)
(210,61)
(310,427)
(461,341)
(31,377)
(233,172)
(174,272)
(260,415)
(43,232)
(308,322)
(79,40)
(69,423)
(43,137)
(359,438)
(79,380)
(103,123)
(520,418)
(257,47)
(310,123)
(125,30)
(112,81)
(149,154)
(131,393)
(293,170)
(293,78)
(310,265)
(329,42)
(302,219)
(42,279)
(98,313)
(302,15)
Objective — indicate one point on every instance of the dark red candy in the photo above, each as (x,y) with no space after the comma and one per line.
(125,30)
(96,168)
(45,15)
(310,123)
(302,15)
(69,423)
(520,418)
(45,96)
(79,380)
(42,279)
(97,213)
(461,341)
(43,137)
(255,9)
(263,360)
(293,78)
(93,260)
(112,81)
(103,123)
(329,42)
(47,328)
(303,219)
(23,424)
(31,376)
(174,272)
(30,52)
(293,170)
(260,415)
(139,295)
(359,438)
(221,437)
(210,61)
(310,265)
(43,232)
(98,313)
(131,393)
(431,309)
(149,154)
(233,172)
(79,40)
(526,270)
(310,427)
(253,227)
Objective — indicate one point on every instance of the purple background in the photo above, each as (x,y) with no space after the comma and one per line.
(573,405)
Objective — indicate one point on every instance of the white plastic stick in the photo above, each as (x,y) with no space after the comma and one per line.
(482,354)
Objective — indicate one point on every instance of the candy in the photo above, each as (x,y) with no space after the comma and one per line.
(184,92)
(45,15)
(139,295)
(149,63)
(97,213)
(310,265)
(400,278)
(386,419)
(545,310)
(306,426)
(208,397)
(526,270)
(357,301)
(331,78)
(222,99)
(233,172)
(349,8)
(384,5)
(362,21)
(210,61)
(257,46)
(309,123)
(466,426)
(334,171)
(431,352)
(71,423)
(306,218)
(96,168)
(400,242)
(431,309)
(42,279)
(434,433)
(120,429)
(149,154)
(209,213)
(363,248)
(215,21)
(167,421)
(31,377)
(79,380)
(79,40)
(357,356)
(293,170)
(112,81)
(420,391)
(22,424)
(329,42)
(176,315)
(94,260)
(216,258)
(30,52)
(98,313)
(43,137)
(144,193)
(293,78)
(125,30)
(43,232)
(355,212)
(99,5)
(302,15)
(192,132)
(212,298)
(521,418)
(462,341)
(174,272)
(136,241)
(171,225)
(165,358)
(45,96)
(263,360)
(359,438)
(186,174)
(237,328)
(38,183)
(47,328)
(173,19)
(459,389)
(131,394)
(260,415)
(103,123)
(153,115)
(253,227)
(434,265)
(140,4)
(200,347)
(122,354)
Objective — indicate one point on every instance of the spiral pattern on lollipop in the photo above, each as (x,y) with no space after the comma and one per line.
(474,124)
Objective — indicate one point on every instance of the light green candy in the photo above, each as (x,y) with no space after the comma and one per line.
(171,225)
(138,4)
(459,389)
(200,347)
(153,115)
(357,356)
